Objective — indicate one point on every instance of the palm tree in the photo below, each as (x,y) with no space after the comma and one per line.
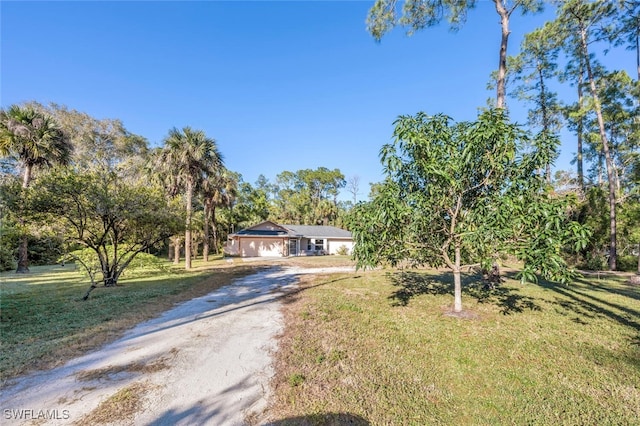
(189,156)
(34,140)
(219,190)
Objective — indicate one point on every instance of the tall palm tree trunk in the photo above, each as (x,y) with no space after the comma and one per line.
(207,218)
(214,228)
(187,232)
(23,248)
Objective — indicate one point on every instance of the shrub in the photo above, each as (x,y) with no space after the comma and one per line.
(628,263)
(342,250)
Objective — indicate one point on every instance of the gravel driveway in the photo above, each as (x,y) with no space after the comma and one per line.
(206,361)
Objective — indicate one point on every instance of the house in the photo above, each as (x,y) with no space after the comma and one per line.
(271,239)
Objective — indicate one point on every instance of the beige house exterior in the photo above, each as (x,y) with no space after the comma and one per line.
(269,239)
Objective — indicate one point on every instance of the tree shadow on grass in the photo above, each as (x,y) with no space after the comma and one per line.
(587,300)
(412,284)
(322,419)
(596,284)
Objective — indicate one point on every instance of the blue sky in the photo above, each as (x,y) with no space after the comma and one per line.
(280,85)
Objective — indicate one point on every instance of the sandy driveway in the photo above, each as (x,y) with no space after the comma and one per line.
(206,361)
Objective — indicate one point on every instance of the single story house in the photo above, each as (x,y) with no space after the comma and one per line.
(271,239)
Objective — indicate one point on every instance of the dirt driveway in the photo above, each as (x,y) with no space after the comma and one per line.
(206,361)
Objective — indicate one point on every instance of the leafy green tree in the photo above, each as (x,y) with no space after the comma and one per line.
(113,218)
(308,196)
(187,158)
(620,97)
(218,191)
(627,28)
(34,140)
(533,68)
(419,14)
(98,144)
(10,189)
(629,229)
(463,191)
(252,204)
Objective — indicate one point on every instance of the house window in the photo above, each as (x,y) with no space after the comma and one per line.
(315,245)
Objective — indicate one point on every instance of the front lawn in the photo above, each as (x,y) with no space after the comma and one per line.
(379,347)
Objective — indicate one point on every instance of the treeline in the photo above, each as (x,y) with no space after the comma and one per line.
(88,189)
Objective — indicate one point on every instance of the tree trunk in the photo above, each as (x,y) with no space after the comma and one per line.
(23,248)
(26,179)
(214,228)
(176,250)
(545,119)
(91,288)
(187,232)
(110,280)
(501,91)
(607,155)
(580,132)
(638,48)
(457,282)
(23,255)
(205,243)
(638,271)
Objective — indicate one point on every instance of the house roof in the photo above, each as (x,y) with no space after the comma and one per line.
(295,231)
(317,231)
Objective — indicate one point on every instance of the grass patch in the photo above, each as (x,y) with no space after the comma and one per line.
(121,406)
(384,350)
(107,373)
(44,322)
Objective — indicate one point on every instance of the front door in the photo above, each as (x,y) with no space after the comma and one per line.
(293,247)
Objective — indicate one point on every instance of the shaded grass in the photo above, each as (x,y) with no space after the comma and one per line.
(44,322)
(379,347)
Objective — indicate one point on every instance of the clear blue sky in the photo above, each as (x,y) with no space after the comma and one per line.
(280,85)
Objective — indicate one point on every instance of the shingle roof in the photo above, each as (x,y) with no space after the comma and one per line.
(295,231)
(317,231)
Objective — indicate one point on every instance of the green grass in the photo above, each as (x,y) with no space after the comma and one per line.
(380,347)
(43,320)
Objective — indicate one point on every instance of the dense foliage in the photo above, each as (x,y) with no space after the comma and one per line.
(464,192)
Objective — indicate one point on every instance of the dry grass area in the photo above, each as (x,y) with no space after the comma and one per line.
(319,261)
(159,364)
(119,407)
(378,348)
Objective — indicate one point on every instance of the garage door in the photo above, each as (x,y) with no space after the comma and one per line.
(257,247)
